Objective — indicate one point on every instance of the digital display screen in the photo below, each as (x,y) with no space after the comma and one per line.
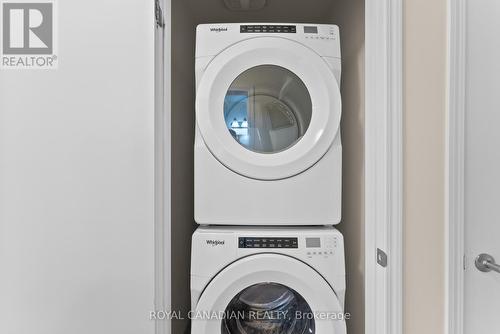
(310,30)
(313,242)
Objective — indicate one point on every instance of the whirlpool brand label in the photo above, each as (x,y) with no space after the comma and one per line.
(215,243)
(218,29)
(29,32)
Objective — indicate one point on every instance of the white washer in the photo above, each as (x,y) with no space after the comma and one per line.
(268,107)
(285,280)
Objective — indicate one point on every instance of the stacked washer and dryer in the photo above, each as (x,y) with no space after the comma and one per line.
(268,168)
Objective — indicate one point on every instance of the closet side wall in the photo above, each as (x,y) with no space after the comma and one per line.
(350,16)
(182,117)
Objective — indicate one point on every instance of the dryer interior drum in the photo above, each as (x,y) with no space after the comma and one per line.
(269,293)
(268,108)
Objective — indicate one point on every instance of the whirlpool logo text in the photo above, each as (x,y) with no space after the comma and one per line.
(214,243)
(219,29)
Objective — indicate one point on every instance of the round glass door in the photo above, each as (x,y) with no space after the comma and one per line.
(268,294)
(267,109)
(267,308)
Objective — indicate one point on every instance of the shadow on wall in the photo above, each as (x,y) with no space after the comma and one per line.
(349,15)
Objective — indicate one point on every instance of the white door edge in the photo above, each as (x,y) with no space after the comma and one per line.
(455,162)
(162,237)
(383,166)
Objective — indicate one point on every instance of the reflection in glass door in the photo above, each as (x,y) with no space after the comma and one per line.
(267,109)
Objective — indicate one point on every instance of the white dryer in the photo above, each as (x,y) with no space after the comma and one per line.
(267,280)
(268,107)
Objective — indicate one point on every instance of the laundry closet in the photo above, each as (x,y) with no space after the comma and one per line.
(186,15)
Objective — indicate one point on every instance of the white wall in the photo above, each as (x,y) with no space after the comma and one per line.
(76,178)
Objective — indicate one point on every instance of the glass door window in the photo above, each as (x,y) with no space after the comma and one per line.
(267,109)
(268,308)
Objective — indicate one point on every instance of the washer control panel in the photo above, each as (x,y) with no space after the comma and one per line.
(319,33)
(264,242)
(320,247)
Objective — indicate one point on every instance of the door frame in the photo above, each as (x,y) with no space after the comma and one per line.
(455,166)
(384,166)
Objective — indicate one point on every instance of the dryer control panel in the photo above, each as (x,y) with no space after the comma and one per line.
(268,28)
(214,38)
(321,32)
